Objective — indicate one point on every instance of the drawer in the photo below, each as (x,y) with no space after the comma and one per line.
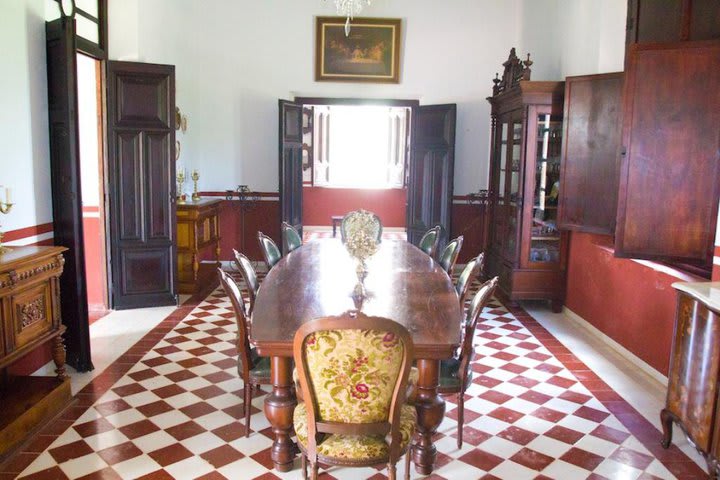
(31,315)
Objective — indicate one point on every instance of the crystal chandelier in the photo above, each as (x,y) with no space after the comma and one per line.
(350,8)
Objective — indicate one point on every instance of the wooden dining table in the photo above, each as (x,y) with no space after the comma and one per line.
(318,280)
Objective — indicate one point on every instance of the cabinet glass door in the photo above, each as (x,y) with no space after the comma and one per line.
(545,236)
(514,149)
(500,171)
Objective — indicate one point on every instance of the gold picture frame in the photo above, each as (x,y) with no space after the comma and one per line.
(370,53)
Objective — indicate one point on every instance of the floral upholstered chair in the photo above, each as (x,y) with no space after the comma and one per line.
(450,254)
(430,240)
(363,220)
(353,371)
(290,238)
(270,250)
(253,370)
(250,277)
(455,373)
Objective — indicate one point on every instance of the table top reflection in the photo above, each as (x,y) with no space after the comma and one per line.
(318,280)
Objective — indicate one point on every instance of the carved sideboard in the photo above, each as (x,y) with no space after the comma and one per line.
(197,237)
(30,318)
(692,399)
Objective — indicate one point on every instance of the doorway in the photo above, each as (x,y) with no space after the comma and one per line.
(92,174)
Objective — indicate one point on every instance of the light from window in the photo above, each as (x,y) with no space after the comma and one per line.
(360,146)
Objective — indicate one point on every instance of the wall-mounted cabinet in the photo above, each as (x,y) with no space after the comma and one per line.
(590,158)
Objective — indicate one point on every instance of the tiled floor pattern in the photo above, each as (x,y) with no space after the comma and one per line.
(171,408)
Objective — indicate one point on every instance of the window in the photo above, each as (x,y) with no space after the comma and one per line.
(360,146)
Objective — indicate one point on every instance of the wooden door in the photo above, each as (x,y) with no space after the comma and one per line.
(65,181)
(670,170)
(141,184)
(290,163)
(432,158)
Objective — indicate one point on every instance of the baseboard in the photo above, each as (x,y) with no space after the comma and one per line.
(622,351)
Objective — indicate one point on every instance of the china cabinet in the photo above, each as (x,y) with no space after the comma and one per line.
(526,249)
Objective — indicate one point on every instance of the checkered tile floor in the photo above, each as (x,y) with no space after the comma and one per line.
(171,408)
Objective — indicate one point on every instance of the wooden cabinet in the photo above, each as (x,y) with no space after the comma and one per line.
(672,20)
(526,248)
(590,159)
(692,398)
(198,240)
(670,170)
(29,318)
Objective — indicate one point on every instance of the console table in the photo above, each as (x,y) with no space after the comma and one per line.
(30,318)
(197,236)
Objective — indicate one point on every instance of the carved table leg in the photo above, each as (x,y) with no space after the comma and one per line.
(58,354)
(279,408)
(430,411)
(666,418)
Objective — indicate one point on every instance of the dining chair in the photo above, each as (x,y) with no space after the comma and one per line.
(455,373)
(253,370)
(469,274)
(361,219)
(290,238)
(250,277)
(271,252)
(353,371)
(449,255)
(430,241)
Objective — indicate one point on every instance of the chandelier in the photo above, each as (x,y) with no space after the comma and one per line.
(350,8)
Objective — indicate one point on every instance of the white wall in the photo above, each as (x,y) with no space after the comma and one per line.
(573,37)
(231,72)
(24,162)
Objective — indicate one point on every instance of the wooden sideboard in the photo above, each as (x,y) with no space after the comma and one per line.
(692,399)
(30,317)
(197,237)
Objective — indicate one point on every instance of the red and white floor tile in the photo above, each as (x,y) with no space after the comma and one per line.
(171,408)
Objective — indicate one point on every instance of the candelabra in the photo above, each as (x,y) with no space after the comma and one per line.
(180,182)
(5,208)
(195,177)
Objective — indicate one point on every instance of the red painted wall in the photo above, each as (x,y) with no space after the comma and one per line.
(239,226)
(94,269)
(468,221)
(716,267)
(320,203)
(630,302)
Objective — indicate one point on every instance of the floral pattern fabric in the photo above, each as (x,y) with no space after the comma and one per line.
(356,447)
(353,373)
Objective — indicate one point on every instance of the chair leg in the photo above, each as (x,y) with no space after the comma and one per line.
(314,467)
(391,471)
(407,463)
(248,402)
(461,419)
(303,463)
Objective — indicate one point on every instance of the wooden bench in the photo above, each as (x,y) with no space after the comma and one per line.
(336,220)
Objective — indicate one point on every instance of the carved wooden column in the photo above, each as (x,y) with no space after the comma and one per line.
(279,408)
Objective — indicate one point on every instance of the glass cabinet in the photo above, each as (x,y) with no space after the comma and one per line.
(526,249)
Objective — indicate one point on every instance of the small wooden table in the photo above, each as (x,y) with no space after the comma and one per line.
(317,280)
(336,221)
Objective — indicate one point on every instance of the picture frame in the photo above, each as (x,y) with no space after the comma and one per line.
(370,53)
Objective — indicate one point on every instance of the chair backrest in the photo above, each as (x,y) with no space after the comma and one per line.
(468,275)
(270,250)
(290,237)
(361,219)
(430,241)
(249,276)
(449,255)
(481,298)
(353,372)
(242,341)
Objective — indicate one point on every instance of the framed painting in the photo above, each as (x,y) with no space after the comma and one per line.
(370,53)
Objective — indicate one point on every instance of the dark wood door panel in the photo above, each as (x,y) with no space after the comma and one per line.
(143,100)
(290,164)
(670,174)
(590,168)
(431,175)
(141,136)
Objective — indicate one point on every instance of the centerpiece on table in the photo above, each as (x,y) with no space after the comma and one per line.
(361,233)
